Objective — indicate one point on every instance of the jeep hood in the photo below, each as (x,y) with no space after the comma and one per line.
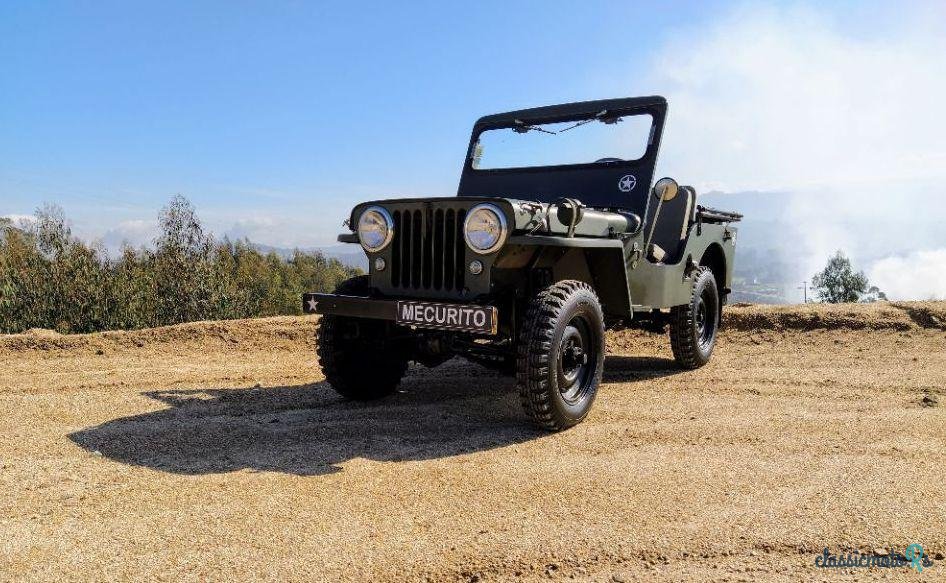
(523,216)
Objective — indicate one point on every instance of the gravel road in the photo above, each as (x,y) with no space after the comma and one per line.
(214,451)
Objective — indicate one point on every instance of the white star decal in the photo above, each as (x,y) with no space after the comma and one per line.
(627,183)
(312,304)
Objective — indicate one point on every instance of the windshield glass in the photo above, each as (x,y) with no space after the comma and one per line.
(602,139)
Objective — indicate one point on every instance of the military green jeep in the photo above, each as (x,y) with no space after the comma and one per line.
(555,235)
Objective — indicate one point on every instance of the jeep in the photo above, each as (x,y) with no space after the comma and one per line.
(557,233)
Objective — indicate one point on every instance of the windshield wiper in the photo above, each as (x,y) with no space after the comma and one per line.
(521,128)
(600,116)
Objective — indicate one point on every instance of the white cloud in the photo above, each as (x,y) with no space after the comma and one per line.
(852,128)
(19,219)
(251,228)
(781,99)
(920,275)
(276,230)
(281,231)
(133,232)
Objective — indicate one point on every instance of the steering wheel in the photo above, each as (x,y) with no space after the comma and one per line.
(607,160)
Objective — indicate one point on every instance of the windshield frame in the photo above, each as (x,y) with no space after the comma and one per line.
(591,118)
(596,184)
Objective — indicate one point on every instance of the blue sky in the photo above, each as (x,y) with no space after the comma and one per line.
(276,108)
(274,118)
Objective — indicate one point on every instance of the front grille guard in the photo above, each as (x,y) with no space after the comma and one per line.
(428,249)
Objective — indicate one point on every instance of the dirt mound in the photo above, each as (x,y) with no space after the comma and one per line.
(284,331)
(900,316)
(42,333)
(279,332)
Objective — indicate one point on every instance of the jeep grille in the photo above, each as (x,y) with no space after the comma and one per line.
(428,249)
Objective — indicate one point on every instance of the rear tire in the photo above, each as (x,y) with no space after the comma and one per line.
(694,326)
(354,353)
(561,355)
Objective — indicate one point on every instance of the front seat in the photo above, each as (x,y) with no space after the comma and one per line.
(673,223)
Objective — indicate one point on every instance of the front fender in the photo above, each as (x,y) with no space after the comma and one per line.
(597,261)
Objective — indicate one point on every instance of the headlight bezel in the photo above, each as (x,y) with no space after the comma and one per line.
(503,228)
(389,224)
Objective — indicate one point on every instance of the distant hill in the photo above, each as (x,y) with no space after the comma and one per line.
(766,269)
(350,255)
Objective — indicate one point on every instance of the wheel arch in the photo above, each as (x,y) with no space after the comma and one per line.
(609,279)
(715,258)
(597,262)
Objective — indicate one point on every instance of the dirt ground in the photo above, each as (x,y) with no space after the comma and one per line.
(213,451)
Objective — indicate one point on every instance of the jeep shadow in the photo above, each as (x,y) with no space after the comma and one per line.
(308,430)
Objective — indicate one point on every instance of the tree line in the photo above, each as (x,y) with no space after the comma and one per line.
(50,278)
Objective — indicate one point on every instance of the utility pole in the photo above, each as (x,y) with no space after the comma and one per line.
(804,286)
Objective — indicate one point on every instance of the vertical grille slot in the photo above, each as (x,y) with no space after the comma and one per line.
(449,259)
(417,249)
(428,260)
(428,249)
(458,247)
(438,249)
(396,251)
(405,245)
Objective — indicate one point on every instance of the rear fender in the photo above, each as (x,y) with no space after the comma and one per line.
(664,286)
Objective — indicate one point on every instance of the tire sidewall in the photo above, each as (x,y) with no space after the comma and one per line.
(706,282)
(584,305)
(354,367)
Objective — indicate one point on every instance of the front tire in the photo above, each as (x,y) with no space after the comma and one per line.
(694,326)
(354,353)
(561,355)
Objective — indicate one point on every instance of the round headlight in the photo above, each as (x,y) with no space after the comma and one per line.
(485,228)
(375,229)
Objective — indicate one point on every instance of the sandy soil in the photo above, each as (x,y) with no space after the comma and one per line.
(212,451)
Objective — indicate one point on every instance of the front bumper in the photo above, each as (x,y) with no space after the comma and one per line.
(472,318)
(354,306)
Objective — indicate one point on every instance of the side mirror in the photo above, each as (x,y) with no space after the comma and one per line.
(666,189)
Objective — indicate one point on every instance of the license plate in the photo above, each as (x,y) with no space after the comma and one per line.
(466,318)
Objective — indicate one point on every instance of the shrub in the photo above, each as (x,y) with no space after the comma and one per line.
(51,279)
(838,282)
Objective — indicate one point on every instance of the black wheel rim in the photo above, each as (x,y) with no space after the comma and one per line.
(707,319)
(576,360)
